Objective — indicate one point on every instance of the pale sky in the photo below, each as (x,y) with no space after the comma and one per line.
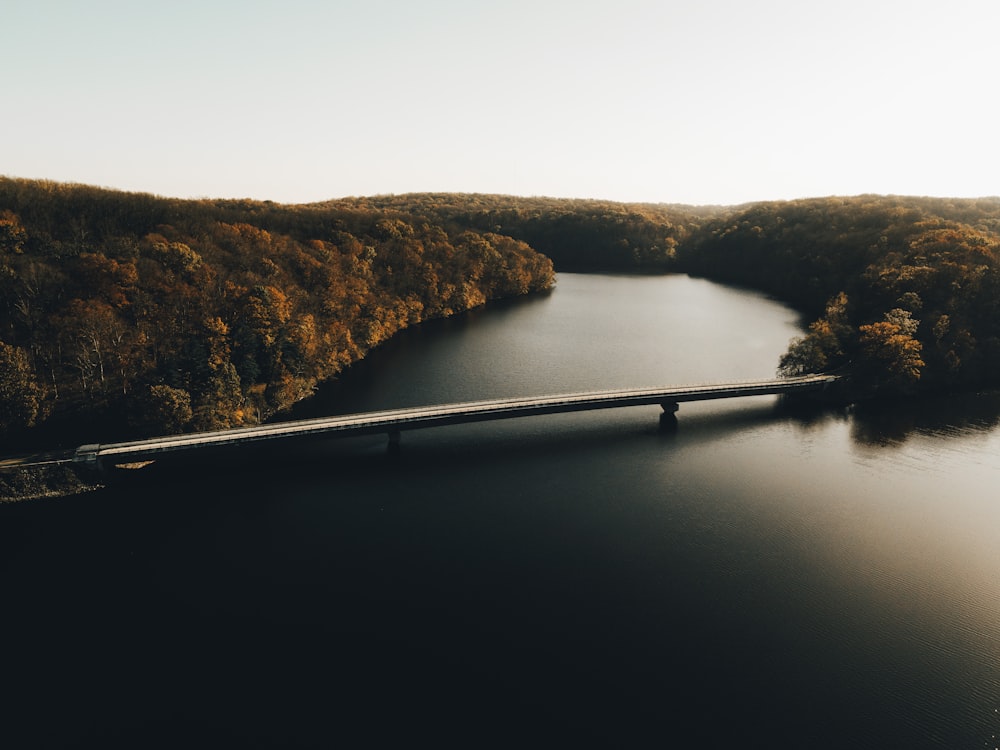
(700,101)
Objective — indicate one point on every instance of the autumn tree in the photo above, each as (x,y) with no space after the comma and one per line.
(826,344)
(12,233)
(892,354)
(20,395)
(215,386)
(161,409)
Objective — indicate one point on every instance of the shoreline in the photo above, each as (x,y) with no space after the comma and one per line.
(42,482)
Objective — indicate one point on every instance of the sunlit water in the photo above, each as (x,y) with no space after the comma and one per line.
(757,578)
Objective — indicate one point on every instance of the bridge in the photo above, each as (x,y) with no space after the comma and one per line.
(394,421)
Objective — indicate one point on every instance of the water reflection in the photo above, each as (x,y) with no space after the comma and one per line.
(892,423)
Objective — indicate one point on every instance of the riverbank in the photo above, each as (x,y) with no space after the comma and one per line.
(39,482)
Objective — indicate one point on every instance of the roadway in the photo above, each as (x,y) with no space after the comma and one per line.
(393,421)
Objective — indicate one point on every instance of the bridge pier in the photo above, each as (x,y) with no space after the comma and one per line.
(668,419)
(392,448)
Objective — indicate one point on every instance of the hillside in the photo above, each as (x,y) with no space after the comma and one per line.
(131,314)
(906,291)
(578,235)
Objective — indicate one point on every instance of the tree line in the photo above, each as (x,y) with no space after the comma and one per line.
(577,234)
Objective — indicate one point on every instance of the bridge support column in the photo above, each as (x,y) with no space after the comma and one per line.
(394,438)
(668,419)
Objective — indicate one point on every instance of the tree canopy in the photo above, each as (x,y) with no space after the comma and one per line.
(905,289)
(159,315)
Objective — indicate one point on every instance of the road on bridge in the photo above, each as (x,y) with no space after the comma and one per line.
(392,422)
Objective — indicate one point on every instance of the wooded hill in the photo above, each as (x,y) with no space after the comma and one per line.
(125,313)
(578,235)
(906,291)
(134,314)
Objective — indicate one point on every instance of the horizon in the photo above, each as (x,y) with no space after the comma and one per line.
(501,195)
(709,104)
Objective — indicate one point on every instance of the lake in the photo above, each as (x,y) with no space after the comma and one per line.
(761,576)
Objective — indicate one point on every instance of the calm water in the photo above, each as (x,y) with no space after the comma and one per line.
(757,578)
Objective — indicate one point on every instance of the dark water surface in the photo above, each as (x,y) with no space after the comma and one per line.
(758,578)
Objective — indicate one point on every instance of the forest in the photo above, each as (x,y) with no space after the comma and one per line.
(578,235)
(904,293)
(126,314)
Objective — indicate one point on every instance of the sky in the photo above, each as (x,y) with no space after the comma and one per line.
(697,102)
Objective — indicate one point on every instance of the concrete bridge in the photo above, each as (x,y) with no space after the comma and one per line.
(392,422)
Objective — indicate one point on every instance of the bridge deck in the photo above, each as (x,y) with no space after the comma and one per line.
(395,420)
